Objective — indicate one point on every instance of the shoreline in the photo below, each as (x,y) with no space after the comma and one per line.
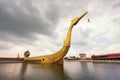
(98,61)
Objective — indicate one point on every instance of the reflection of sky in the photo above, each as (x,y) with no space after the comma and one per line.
(78,70)
(70,70)
(107,71)
(42,72)
(92,71)
(9,70)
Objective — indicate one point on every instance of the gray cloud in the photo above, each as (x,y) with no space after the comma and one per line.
(2,47)
(24,19)
(21,20)
(116,5)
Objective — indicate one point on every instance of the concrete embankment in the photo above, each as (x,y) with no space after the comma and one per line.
(11,60)
(102,61)
(98,61)
(85,60)
(106,61)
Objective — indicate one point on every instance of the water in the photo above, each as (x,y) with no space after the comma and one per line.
(71,70)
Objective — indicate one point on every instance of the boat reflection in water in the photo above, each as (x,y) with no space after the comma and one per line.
(71,70)
(42,72)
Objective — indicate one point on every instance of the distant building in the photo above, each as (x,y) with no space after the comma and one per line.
(82,56)
(113,56)
(71,58)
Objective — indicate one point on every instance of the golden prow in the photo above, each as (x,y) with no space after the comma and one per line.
(57,56)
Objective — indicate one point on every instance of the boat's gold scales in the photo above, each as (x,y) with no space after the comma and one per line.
(57,56)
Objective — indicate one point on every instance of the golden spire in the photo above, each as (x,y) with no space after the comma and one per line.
(18,56)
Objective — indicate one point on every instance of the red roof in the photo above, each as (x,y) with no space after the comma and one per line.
(112,55)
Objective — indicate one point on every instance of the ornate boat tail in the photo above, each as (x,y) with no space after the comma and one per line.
(57,56)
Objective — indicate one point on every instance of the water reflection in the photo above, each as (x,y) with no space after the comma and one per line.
(42,72)
(22,73)
(105,71)
(71,70)
(9,71)
(78,70)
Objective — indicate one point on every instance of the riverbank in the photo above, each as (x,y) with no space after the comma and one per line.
(98,61)
(106,61)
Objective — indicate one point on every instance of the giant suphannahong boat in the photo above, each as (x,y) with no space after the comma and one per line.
(58,55)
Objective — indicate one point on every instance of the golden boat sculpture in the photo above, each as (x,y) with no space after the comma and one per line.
(57,56)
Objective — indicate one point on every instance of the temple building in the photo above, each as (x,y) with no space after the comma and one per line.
(113,56)
(82,55)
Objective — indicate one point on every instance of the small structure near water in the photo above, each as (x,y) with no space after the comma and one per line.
(108,58)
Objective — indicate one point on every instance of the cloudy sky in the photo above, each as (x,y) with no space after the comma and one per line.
(41,26)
